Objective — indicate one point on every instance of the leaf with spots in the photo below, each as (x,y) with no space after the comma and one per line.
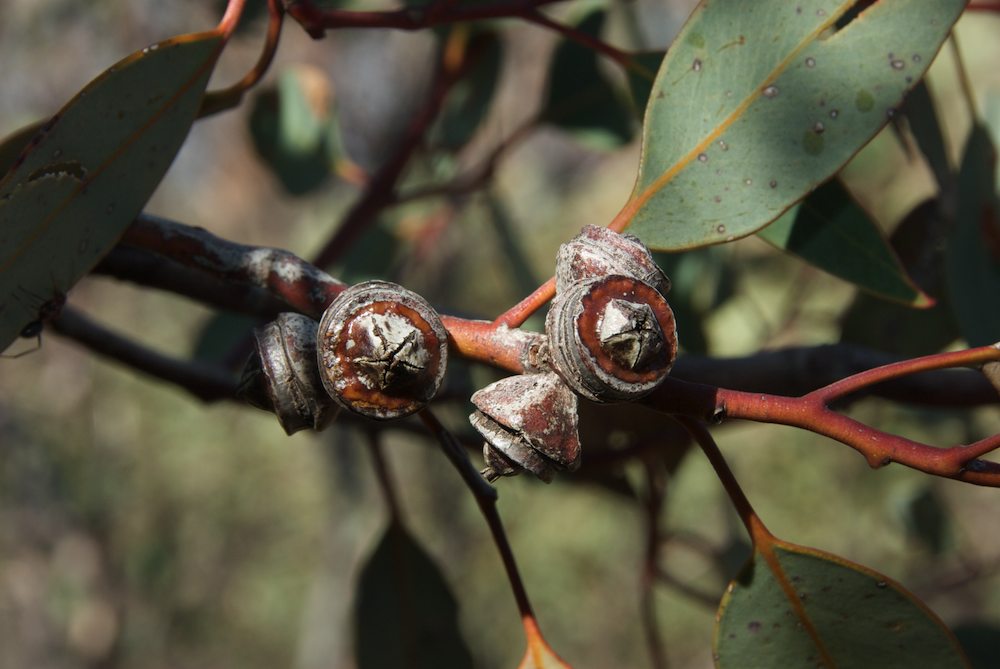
(832,232)
(90,169)
(758,103)
(793,606)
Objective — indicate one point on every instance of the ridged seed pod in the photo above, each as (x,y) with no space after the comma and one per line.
(597,252)
(281,375)
(611,338)
(529,422)
(382,350)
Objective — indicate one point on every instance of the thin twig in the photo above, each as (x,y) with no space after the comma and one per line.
(811,412)
(205,381)
(317,21)
(230,97)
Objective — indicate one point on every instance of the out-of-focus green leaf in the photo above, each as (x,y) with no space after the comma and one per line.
(973,257)
(919,241)
(756,104)
(292,126)
(641,78)
(701,280)
(919,112)
(405,614)
(469,101)
(520,273)
(832,232)
(220,334)
(808,608)
(91,169)
(580,99)
(375,255)
(926,518)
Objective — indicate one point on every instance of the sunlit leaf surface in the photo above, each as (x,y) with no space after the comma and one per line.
(757,103)
(812,609)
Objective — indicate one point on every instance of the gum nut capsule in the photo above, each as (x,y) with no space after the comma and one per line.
(612,338)
(382,350)
(597,252)
(529,422)
(281,375)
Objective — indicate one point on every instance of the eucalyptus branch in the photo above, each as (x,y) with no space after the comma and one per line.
(811,412)
(302,286)
(205,381)
(262,281)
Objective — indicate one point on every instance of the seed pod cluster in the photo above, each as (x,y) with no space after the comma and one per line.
(379,351)
(611,337)
(611,332)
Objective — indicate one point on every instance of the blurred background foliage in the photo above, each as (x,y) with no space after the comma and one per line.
(140,528)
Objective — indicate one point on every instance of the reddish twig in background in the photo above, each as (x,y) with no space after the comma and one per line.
(380,190)
(477,177)
(486,498)
(228,98)
(385,481)
(655,497)
(569,32)
(234,10)
(317,21)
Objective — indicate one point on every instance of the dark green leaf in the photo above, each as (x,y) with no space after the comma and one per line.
(291,126)
(580,99)
(832,232)
(923,122)
(91,169)
(220,334)
(641,77)
(470,100)
(973,258)
(811,609)
(980,641)
(405,614)
(757,104)
(919,241)
(13,144)
(701,280)
(927,519)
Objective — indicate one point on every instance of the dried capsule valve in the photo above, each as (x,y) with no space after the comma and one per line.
(612,338)
(281,376)
(382,350)
(529,423)
(597,252)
